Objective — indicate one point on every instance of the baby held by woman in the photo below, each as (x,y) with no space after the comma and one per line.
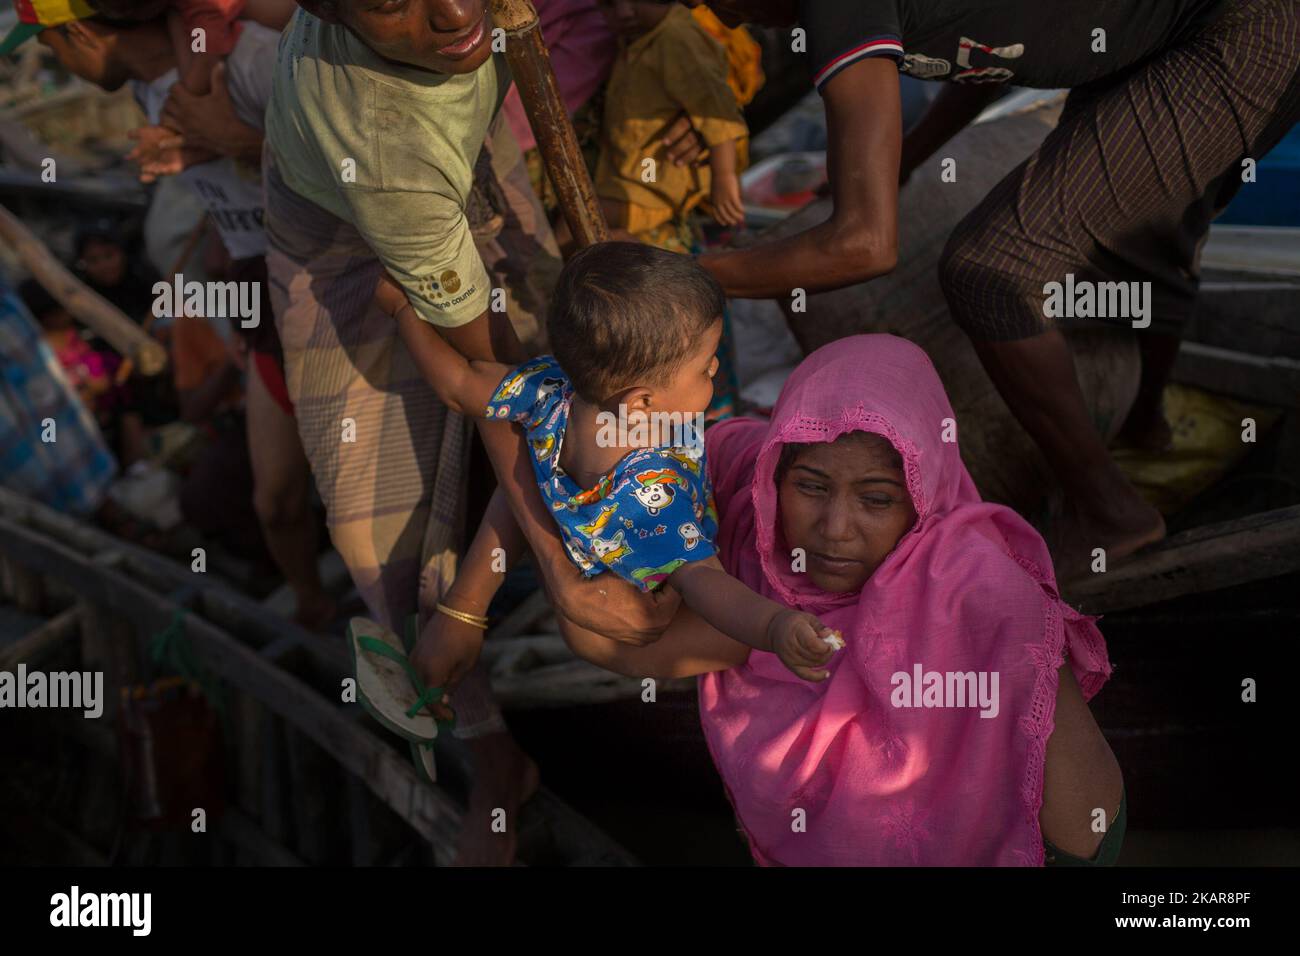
(633,330)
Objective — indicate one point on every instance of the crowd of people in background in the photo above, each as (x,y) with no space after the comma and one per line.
(220,418)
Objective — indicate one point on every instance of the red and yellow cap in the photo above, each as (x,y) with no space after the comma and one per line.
(37,15)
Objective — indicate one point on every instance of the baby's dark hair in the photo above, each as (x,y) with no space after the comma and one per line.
(625,313)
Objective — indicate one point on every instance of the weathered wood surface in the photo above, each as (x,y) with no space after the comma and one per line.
(1004,462)
(529,611)
(428,810)
(1255,314)
(126,584)
(1202,559)
(83,303)
(540,671)
(1254,378)
(33,648)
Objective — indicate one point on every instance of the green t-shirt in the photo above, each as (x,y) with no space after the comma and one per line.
(391,149)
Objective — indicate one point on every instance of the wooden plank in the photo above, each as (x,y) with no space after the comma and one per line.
(313,786)
(390,776)
(573,682)
(1203,559)
(521,618)
(1255,378)
(540,671)
(234,611)
(248,836)
(273,811)
(244,749)
(23,588)
(33,648)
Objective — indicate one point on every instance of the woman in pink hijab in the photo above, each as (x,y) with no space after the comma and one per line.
(952,729)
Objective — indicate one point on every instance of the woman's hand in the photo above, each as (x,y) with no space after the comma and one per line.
(611,607)
(797,638)
(444,654)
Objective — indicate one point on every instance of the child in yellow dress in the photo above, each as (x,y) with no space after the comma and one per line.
(668,64)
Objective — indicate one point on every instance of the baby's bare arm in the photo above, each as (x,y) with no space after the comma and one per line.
(464,385)
(725,602)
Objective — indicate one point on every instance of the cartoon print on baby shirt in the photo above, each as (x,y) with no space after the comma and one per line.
(599,491)
(691,464)
(577,555)
(610,551)
(513,385)
(691,535)
(594,529)
(543,447)
(548,387)
(653,576)
(656,491)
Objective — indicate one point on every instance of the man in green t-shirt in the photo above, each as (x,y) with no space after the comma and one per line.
(384,153)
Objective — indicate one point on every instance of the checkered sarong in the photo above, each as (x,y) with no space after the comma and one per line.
(1125,186)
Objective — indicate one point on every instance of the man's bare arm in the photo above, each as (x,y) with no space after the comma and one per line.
(860,239)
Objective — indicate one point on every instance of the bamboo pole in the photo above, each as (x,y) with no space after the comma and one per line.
(86,306)
(531,65)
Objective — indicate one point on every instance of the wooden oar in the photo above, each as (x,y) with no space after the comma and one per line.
(531,65)
(84,304)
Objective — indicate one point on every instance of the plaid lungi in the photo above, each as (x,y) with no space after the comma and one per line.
(389,460)
(1125,186)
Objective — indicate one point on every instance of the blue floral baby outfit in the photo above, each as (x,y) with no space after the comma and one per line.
(649,515)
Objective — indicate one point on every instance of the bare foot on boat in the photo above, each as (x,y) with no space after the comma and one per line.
(505,778)
(1113,516)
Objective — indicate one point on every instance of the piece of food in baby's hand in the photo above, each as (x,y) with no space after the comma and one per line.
(835,639)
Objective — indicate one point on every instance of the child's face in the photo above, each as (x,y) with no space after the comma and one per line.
(103,262)
(846,504)
(633,18)
(691,388)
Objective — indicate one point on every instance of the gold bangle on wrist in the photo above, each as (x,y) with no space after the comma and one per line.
(477,620)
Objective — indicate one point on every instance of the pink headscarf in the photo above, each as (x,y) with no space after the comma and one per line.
(968,589)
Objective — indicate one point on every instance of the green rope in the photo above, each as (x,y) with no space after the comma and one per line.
(172,651)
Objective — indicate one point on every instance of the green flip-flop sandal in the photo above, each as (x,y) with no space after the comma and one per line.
(391,691)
